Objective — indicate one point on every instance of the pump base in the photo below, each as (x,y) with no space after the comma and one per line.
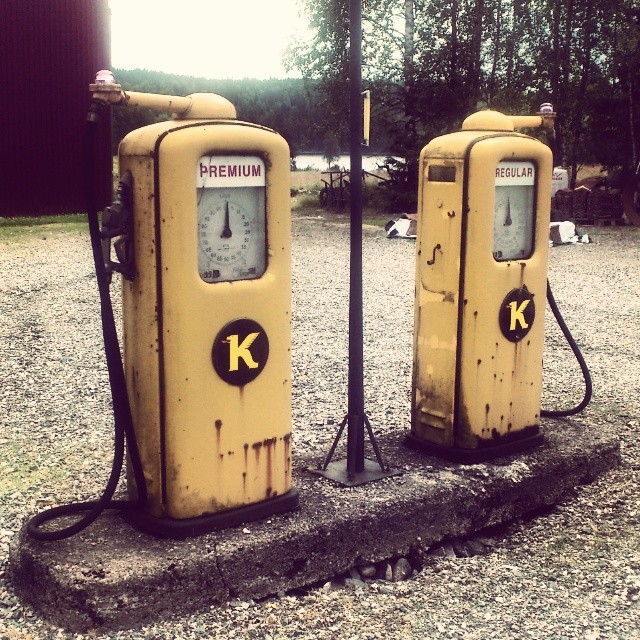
(191,527)
(473,456)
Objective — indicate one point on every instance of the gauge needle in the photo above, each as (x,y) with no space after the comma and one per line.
(226,232)
(507,220)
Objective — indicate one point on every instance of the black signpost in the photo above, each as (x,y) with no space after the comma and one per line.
(355,470)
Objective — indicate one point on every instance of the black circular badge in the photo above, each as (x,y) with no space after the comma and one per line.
(240,351)
(517,313)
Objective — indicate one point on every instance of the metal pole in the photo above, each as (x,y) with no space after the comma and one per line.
(355,469)
(355,432)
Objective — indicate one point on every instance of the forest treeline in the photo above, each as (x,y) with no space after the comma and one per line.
(295,108)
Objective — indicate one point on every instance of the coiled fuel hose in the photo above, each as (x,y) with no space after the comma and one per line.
(123,423)
(563,413)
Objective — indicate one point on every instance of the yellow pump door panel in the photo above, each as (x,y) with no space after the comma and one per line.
(501,377)
(437,297)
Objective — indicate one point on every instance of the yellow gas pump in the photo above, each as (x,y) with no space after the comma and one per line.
(481,272)
(206,312)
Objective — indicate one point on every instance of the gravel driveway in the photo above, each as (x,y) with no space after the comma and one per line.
(571,573)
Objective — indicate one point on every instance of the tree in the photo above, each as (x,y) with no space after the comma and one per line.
(325,60)
(429,63)
(574,72)
(330,149)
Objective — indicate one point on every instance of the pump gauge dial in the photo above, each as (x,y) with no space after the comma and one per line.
(514,215)
(231,219)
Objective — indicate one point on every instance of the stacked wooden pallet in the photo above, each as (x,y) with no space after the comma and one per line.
(589,203)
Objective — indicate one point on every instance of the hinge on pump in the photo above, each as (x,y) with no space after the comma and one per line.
(117,222)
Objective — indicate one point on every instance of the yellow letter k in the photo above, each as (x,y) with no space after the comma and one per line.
(517,314)
(237,351)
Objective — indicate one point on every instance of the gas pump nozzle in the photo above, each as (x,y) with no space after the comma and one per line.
(116,223)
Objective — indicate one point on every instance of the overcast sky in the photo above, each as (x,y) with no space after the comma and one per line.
(208,38)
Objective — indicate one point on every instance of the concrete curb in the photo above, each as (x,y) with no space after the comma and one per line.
(112,576)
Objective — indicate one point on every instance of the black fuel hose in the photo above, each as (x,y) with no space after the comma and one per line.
(562,413)
(123,423)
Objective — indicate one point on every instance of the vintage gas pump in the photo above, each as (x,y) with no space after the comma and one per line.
(481,274)
(202,228)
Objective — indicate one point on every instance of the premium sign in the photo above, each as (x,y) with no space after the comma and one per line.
(230,171)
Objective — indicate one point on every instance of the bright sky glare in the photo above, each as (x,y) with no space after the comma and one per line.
(209,38)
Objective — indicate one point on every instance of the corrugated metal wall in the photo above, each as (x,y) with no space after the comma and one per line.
(50,51)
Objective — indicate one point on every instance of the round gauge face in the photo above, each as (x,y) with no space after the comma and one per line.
(225,233)
(231,236)
(513,222)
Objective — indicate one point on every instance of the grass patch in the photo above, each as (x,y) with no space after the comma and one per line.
(305,201)
(21,469)
(369,217)
(376,207)
(41,225)
(377,220)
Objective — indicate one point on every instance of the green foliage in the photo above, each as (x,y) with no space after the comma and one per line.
(390,198)
(430,63)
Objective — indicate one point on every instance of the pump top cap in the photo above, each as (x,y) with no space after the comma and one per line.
(208,105)
(487,121)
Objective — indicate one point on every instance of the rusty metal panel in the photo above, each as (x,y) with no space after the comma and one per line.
(50,51)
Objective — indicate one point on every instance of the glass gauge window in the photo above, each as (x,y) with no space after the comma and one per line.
(232,243)
(514,213)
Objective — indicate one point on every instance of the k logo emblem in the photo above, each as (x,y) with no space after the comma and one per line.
(240,351)
(517,313)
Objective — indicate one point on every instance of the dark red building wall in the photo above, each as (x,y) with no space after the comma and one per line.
(50,51)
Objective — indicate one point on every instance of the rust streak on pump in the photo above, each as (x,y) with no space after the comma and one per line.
(270,444)
(218,425)
(287,454)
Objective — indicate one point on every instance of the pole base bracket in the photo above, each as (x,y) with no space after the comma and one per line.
(338,472)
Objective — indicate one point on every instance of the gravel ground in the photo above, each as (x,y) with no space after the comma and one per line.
(571,573)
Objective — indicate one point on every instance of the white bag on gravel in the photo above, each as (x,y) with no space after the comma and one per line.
(565,233)
(405,227)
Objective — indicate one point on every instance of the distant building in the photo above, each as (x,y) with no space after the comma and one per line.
(50,51)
